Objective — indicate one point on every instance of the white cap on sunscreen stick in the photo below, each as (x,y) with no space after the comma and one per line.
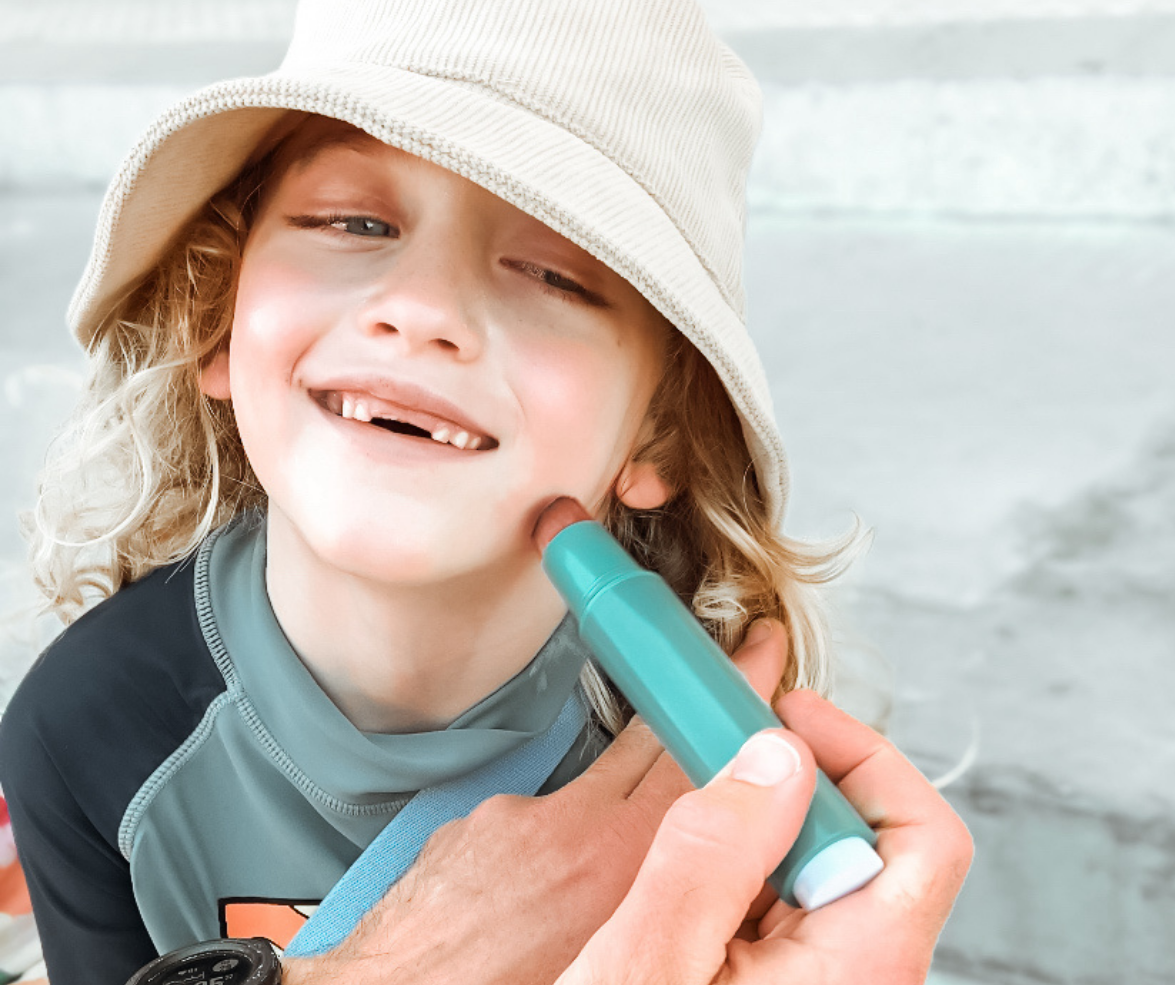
(844,866)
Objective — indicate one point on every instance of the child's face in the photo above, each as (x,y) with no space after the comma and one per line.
(375,283)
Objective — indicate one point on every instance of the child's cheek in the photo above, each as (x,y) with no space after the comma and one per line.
(263,294)
(298,267)
(284,305)
(579,403)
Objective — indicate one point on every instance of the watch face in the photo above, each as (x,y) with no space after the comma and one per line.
(226,962)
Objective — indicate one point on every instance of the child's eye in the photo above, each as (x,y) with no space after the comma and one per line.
(361,225)
(352,225)
(563,283)
(556,283)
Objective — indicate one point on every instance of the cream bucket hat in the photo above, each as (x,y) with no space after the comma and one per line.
(624,125)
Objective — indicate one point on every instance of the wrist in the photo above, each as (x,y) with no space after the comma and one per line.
(296,971)
(304,971)
(330,968)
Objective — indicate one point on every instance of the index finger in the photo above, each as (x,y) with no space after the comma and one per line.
(620,768)
(885,787)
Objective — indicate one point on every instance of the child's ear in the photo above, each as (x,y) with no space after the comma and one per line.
(639,487)
(214,381)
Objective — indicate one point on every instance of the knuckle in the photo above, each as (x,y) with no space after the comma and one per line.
(637,729)
(958,847)
(966,844)
(929,893)
(964,854)
(499,809)
(635,739)
(443,839)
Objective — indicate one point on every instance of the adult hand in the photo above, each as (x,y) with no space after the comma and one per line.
(681,921)
(513,892)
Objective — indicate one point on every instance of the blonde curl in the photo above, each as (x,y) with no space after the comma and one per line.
(147,465)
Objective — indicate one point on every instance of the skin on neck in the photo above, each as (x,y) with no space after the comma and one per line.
(407,658)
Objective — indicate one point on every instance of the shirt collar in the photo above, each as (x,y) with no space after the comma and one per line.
(281,702)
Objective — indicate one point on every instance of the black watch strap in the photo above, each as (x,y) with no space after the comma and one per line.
(232,961)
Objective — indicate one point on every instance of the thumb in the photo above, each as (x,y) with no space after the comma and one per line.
(707,864)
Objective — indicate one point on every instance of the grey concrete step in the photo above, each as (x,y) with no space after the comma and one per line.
(995,399)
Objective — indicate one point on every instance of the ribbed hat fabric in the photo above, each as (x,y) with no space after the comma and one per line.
(625,125)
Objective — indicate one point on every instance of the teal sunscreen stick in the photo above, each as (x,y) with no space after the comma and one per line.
(690,694)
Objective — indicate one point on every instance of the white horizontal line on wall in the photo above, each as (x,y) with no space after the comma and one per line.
(1061,148)
(122,21)
(154,21)
(738,15)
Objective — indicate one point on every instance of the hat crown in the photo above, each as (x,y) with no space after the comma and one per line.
(644,82)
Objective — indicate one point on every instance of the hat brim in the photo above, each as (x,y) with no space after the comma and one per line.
(538,165)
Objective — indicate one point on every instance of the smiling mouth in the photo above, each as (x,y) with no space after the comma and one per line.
(367,409)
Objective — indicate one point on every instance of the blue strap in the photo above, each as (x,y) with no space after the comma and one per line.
(395,848)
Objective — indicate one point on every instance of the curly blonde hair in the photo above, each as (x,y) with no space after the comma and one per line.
(148,465)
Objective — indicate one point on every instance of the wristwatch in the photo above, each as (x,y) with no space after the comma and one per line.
(231,961)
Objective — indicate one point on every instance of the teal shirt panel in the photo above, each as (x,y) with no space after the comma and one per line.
(276,793)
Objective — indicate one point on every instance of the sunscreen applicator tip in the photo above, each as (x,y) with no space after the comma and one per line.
(557,516)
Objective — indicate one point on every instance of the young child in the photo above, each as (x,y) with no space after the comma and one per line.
(350,327)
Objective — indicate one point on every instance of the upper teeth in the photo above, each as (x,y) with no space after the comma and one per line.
(357,409)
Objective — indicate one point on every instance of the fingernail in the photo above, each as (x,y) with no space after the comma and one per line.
(759,631)
(765,760)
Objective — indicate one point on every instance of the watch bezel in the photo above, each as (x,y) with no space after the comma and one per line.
(266,968)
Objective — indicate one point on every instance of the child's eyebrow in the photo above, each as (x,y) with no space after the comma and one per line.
(303,155)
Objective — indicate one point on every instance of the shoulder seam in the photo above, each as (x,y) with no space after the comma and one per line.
(137,808)
(164,772)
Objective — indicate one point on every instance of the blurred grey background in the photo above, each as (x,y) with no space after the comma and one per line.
(961,274)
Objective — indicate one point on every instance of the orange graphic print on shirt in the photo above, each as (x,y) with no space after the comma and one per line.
(276,920)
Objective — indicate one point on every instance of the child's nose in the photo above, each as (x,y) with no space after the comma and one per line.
(427,297)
